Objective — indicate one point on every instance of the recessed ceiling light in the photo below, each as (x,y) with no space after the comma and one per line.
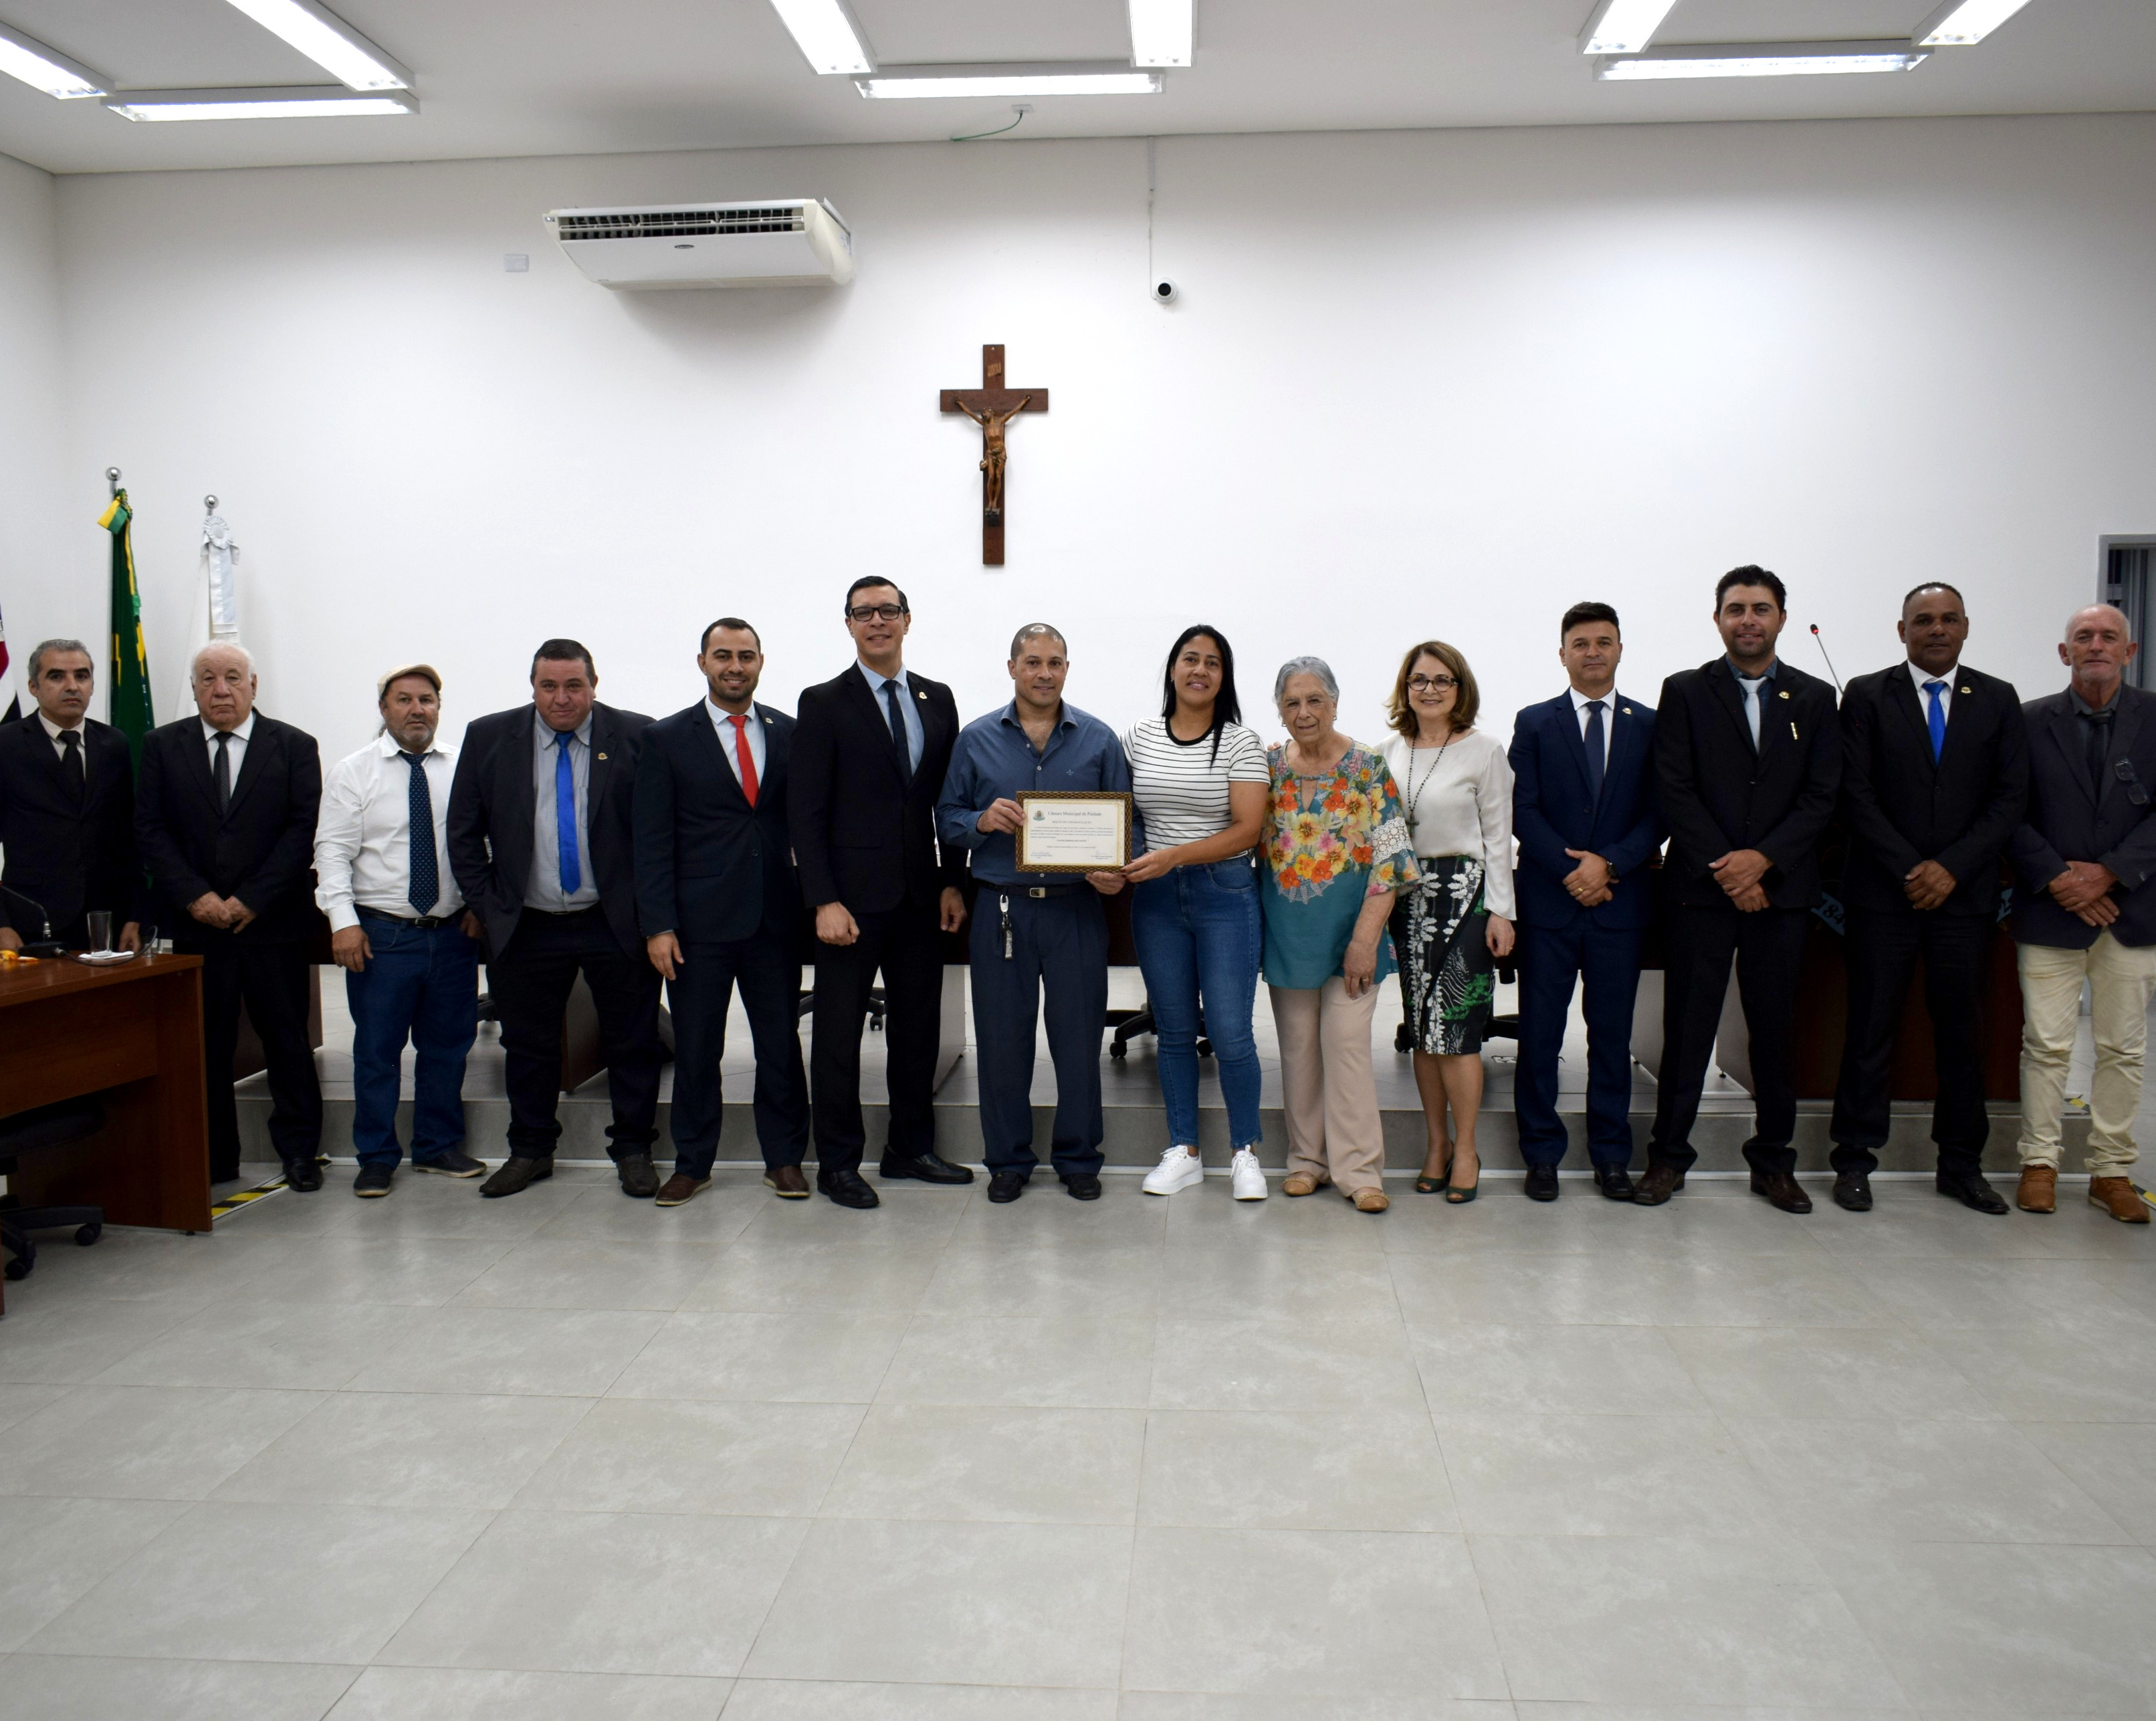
(327,101)
(329,42)
(1763,59)
(1068,79)
(1161,32)
(823,31)
(1961,24)
(42,68)
(1623,26)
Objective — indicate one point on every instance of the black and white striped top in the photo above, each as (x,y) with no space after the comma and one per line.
(1181,788)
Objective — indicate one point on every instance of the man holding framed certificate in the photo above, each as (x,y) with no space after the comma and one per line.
(1040,793)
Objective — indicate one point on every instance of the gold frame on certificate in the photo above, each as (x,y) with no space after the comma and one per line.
(1120,802)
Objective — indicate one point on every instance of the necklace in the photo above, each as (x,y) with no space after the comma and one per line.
(1415,788)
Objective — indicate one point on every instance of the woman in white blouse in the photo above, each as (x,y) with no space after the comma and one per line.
(1456,788)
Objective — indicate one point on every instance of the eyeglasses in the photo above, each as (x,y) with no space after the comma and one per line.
(874,611)
(1431,684)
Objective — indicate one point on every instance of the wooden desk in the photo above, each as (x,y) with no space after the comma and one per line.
(132,1034)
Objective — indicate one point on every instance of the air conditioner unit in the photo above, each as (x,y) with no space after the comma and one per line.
(775,241)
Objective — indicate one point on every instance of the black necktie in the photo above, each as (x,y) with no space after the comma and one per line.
(425,884)
(71,776)
(2098,744)
(898,729)
(1596,764)
(221,770)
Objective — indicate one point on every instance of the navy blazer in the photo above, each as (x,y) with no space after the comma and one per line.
(2066,821)
(711,869)
(1551,811)
(70,858)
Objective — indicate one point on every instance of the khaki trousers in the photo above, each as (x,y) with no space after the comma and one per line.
(2120,980)
(1327,1087)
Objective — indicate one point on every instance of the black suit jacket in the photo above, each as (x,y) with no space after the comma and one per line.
(711,869)
(2066,820)
(70,858)
(260,849)
(1904,807)
(492,804)
(1718,795)
(864,835)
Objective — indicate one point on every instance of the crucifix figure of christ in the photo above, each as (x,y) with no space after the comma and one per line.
(992,405)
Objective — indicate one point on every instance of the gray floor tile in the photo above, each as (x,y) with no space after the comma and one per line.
(55,1688)
(554,1353)
(56,1339)
(1230,1283)
(1632,1287)
(916,1218)
(1500,1221)
(1937,1228)
(580,1273)
(1561,1370)
(1078,1360)
(1208,1217)
(992,1465)
(144,1442)
(1697,1712)
(2075,1371)
(409,1449)
(825,1356)
(179,1272)
(1044,1277)
(828,1700)
(790,1276)
(1991,1630)
(306,1347)
(1823,1371)
(239,1581)
(1675,1620)
(966,1603)
(1696,1224)
(58,1548)
(1363,1706)
(1918,1482)
(720,1214)
(490,1694)
(1366,1470)
(1348,1612)
(21,1398)
(1125,1217)
(424,1272)
(2112,1462)
(1259,1364)
(666,1454)
(604,1592)
(2061,1296)
(451,1207)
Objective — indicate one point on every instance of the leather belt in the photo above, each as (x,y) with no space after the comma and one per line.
(422,923)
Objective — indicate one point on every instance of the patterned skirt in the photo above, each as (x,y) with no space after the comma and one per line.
(1448,978)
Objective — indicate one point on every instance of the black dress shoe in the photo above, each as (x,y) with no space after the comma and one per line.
(516,1174)
(928,1167)
(1541,1183)
(303,1175)
(1971,1191)
(1084,1187)
(1615,1182)
(1006,1187)
(1783,1189)
(1657,1187)
(639,1176)
(1853,1189)
(849,1189)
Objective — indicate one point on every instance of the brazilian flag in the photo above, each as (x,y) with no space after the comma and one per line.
(130,693)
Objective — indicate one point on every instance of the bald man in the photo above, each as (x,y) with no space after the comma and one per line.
(2085,851)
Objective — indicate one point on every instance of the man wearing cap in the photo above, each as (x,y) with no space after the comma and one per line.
(400,930)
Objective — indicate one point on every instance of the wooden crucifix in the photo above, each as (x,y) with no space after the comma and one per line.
(992,405)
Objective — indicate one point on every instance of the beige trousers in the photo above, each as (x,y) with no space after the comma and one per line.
(1327,1087)
(2120,981)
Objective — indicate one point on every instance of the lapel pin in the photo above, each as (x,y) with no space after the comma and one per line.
(1785,693)
(920,695)
(602,755)
(1628,710)
(1793,728)
(1964,689)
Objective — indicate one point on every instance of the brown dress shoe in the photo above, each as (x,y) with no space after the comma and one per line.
(1783,1189)
(680,1188)
(2118,1197)
(2039,1192)
(787,1182)
(1657,1187)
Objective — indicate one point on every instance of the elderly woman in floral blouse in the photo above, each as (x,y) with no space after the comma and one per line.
(1336,849)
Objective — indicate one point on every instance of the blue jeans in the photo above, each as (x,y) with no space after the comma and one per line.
(420,985)
(1198,935)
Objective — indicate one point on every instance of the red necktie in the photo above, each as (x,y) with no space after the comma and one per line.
(743,757)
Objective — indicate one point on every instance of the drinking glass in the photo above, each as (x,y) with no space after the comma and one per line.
(100,931)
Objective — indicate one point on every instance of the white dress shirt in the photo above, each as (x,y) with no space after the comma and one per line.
(1609,713)
(914,740)
(53,731)
(723,722)
(1946,693)
(363,837)
(237,747)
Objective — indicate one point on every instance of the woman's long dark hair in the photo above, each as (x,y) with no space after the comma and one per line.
(1227,708)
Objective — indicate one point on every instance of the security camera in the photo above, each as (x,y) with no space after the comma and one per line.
(1163,291)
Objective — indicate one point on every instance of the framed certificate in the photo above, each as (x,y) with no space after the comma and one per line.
(1074,833)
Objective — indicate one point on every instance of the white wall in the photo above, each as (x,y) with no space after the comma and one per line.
(1428,382)
(36,599)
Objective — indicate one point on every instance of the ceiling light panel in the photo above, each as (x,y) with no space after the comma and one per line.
(1962,23)
(327,101)
(26,59)
(328,41)
(1623,26)
(923,83)
(1163,31)
(1763,60)
(825,32)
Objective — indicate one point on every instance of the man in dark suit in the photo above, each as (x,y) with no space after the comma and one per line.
(721,908)
(542,841)
(869,754)
(224,816)
(67,812)
(1747,758)
(1583,810)
(1935,776)
(2086,853)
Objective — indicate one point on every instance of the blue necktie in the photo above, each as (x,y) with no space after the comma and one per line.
(565,816)
(898,729)
(1937,719)
(426,876)
(1596,764)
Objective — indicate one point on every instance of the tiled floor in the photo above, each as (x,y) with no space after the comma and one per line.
(565,1456)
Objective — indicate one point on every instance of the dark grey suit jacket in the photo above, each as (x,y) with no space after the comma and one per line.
(2067,821)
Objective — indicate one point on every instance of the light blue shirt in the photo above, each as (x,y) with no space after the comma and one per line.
(543,888)
(914,740)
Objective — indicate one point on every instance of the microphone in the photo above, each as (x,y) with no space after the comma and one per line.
(44,945)
(1821,644)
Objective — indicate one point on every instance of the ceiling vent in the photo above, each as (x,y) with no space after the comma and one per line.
(774,242)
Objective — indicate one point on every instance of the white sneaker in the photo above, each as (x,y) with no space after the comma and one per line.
(1249,1177)
(1179,1169)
